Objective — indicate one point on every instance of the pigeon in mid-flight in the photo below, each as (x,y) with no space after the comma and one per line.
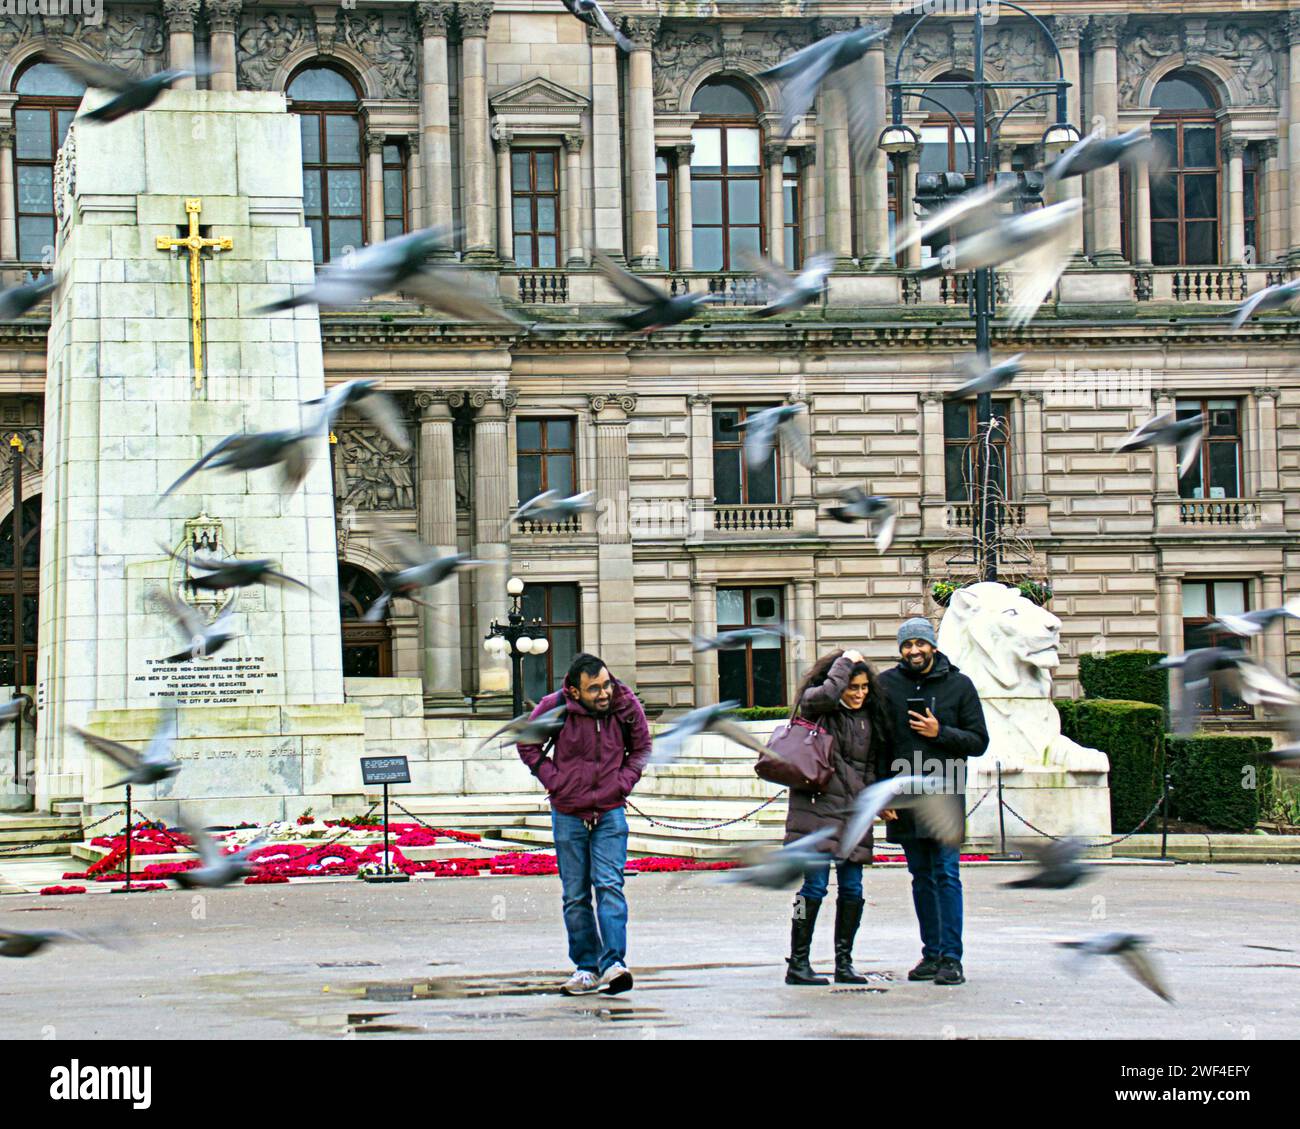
(938,815)
(1097,151)
(287,449)
(365,396)
(659,308)
(1058,866)
(786,422)
(216,868)
(965,208)
(855,504)
(790,292)
(24,943)
(1166,431)
(668,745)
(1249,624)
(17,300)
(205,638)
(219,574)
(528,730)
(153,765)
(592,14)
(13,709)
(549,506)
(133,93)
(783,867)
(422,568)
(1280,297)
(1196,668)
(1131,951)
(982,377)
(734,640)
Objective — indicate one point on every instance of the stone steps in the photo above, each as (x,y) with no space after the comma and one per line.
(37,835)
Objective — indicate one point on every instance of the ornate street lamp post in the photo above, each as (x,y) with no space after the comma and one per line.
(900,138)
(517,637)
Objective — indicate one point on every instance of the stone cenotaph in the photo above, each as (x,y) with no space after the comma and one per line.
(174,225)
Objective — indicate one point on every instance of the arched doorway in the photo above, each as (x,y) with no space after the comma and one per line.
(29,559)
(367,647)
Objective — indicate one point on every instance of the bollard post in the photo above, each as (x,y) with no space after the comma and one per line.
(1002,816)
(1164,819)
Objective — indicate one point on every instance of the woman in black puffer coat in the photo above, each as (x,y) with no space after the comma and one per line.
(838,693)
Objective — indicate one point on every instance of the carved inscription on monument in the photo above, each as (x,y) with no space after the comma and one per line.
(223,681)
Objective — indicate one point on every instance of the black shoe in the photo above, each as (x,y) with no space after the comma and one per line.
(949,972)
(802,923)
(926,970)
(848,916)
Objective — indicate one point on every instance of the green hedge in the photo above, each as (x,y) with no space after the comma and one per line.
(1125,676)
(761,713)
(1132,735)
(1216,779)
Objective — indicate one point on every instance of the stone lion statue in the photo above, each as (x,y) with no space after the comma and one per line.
(1009,646)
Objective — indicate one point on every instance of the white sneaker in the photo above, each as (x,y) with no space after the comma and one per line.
(581,983)
(616,979)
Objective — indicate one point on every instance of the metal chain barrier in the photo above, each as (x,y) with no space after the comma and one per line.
(1101,843)
(76,839)
(704,826)
(470,842)
(981,800)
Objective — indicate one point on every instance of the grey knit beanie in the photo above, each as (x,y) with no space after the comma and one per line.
(918,627)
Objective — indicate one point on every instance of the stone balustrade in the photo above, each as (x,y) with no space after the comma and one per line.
(753,519)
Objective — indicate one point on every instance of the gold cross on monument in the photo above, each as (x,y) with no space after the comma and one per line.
(195,244)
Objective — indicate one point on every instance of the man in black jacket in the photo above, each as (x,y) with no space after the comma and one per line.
(933,744)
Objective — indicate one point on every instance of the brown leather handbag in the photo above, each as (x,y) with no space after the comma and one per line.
(804,756)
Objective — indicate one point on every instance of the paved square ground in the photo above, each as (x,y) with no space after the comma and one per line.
(461,958)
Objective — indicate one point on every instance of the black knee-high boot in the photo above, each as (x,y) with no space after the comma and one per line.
(803,921)
(848,916)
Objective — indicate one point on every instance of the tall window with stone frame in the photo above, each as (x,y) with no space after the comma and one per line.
(734,482)
(333,170)
(1204,601)
(557,606)
(535,203)
(963,457)
(367,647)
(47,103)
(28,558)
(396,221)
(753,675)
(666,211)
(727,213)
(793,204)
(545,457)
(1185,197)
(1217,471)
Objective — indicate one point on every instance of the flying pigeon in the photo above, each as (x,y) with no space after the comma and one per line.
(549,506)
(1058,866)
(857,505)
(1254,623)
(1284,756)
(21,943)
(1131,951)
(1165,431)
(285,449)
(938,814)
(153,765)
(219,575)
(973,202)
(981,377)
(17,300)
(592,14)
(527,730)
(216,868)
(398,264)
(132,93)
(1277,297)
(13,709)
(706,719)
(781,868)
(660,309)
(205,638)
(423,568)
(784,422)
(801,76)
(1096,151)
(1196,668)
(791,292)
(734,640)
(364,395)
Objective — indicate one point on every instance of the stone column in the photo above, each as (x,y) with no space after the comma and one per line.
(1274,642)
(1067,31)
(476,168)
(606,146)
(8,217)
(1273,244)
(700,406)
(609,416)
(375,186)
(1170,603)
(574,257)
(440,623)
(874,252)
(435,115)
(1141,213)
(805,650)
(1293,137)
(1104,183)
(641,30)
(505,202)
(1233,151)
(704,605)
(808,199)
(908,224)
(223,21)
(1166,458)
(774,159)
(1266,443)
(491,538)
(178,17)
(1033,443)
(800,476)
(836,163)
(414,182)
(685,227)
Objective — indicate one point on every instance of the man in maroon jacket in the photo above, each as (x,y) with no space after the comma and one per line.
(595,763)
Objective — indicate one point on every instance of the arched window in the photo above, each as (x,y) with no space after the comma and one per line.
(367,647)
(1185,198)
(333,169)
(726,176)
(47,102)
(30,559)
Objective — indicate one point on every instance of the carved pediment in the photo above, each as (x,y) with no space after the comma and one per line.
(538,94)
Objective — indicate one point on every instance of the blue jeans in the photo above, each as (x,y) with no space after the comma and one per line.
(593,858)
(817,880)
(936,894)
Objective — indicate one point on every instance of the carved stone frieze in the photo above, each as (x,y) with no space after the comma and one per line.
(1250,51)
(680,51)
(625,400)
(371,472)
(128,38)
(265,42)
(387,40)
